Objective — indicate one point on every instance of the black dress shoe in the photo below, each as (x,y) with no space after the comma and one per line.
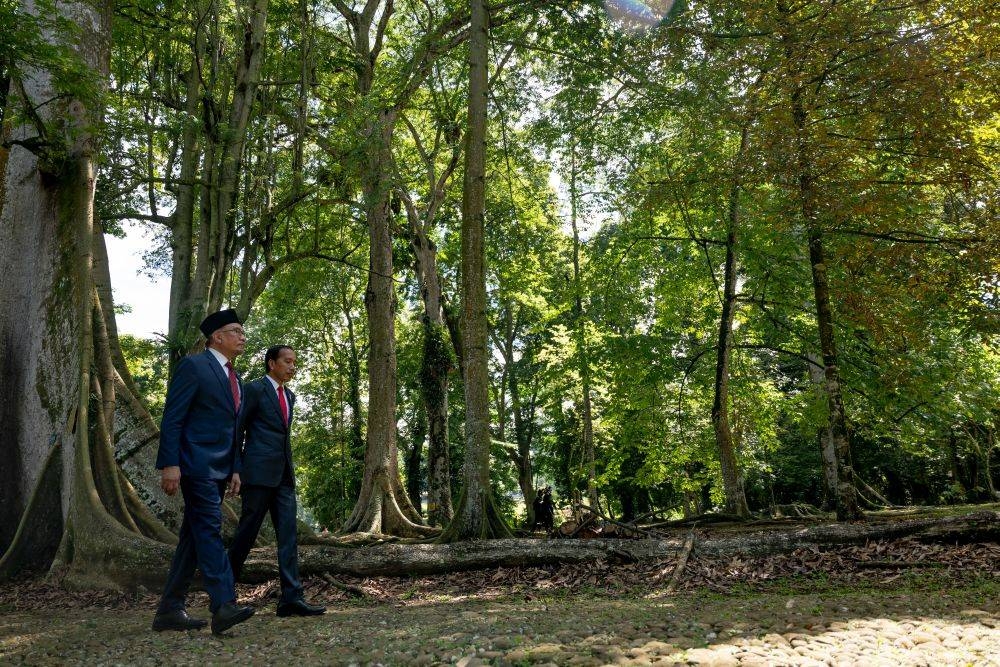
(299,608)
(177,619)
(229,615)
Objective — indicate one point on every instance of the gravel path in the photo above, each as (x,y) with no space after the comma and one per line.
(919,620)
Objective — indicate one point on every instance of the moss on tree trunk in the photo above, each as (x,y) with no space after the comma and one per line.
(61,360)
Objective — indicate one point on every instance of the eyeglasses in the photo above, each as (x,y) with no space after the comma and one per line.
(237,330)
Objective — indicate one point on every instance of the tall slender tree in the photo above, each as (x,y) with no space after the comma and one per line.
(476,515)
(587,448)
(437,360)
(736,502)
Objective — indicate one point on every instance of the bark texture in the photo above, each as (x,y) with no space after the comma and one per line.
(38,347)
(828,454)
(436,362)
(732,478)
(476,515)
(72,506)
(383,505)
(813,227)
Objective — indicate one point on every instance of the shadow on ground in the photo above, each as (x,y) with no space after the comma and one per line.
(925,618)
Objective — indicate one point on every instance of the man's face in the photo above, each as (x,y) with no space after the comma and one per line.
(282,369)
(230,340)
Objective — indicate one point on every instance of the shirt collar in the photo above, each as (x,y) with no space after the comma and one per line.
(274,383)
(221,358)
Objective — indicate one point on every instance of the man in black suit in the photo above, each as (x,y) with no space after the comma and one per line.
(198,454)
(268,479)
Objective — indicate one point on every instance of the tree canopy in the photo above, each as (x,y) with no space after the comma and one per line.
(725,258)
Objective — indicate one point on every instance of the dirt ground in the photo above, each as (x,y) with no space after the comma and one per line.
(907,617)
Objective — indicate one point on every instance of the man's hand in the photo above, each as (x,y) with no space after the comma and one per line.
(170,479)
(234,485)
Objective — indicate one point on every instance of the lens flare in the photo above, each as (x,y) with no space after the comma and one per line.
(637,12)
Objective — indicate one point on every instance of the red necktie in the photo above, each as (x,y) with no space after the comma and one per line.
(234,386)
(282,404)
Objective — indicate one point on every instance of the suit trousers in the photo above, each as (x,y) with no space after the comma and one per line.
(200,545)
(279,501)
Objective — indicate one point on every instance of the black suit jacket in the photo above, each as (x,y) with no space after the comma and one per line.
(264,441)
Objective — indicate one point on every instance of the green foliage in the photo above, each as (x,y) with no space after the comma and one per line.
(37,42)
(657,145)
(506,495)
(326,473)
(315,311)
(147,362)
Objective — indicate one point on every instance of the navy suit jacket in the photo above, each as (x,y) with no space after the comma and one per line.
(263,439)
(198,428)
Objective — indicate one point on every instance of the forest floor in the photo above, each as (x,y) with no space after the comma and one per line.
(901,602)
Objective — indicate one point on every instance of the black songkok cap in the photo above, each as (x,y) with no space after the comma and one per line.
(216,321)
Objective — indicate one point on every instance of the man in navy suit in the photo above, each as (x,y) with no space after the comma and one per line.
(198,454)
(263,432)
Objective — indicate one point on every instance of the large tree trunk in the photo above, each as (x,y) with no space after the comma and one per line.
(828,454)
(847,496)
(805,172)
(39,339)
(383,506)
(435,365)
(736,502)
(74,509)
(476,516)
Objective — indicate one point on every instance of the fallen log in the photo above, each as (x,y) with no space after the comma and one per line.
(407,559)
(397,559)
(974,527)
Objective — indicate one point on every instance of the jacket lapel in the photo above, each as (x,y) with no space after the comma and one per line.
(221,376)
(274,401)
